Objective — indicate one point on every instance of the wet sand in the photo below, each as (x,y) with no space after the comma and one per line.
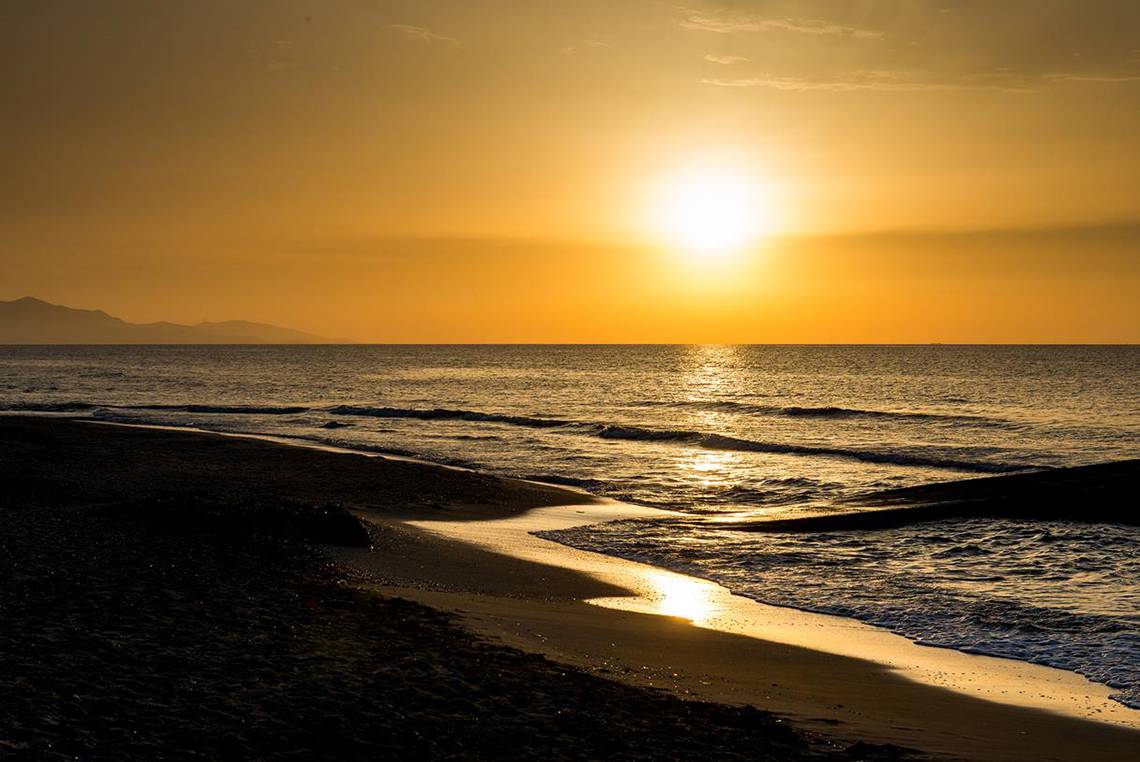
(695,638)
(437,537)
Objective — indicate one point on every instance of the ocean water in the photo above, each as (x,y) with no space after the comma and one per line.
(713,431)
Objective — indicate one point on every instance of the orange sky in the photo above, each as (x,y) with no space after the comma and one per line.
(461,170)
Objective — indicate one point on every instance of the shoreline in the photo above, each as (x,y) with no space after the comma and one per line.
(543,597)
(995,678)
(710,605)
(145,622)
(862,658)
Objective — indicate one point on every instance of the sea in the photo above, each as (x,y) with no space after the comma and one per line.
(714,432)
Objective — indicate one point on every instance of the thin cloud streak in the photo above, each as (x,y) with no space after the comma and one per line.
(587,44)
(720,23)
(897,82)
(905,82)
(1104,78)
(425,35)
(726,60)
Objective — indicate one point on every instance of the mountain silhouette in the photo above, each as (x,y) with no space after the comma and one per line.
(33,321)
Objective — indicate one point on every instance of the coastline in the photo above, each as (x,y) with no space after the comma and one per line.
(708,605)
(458,541)
(695,638)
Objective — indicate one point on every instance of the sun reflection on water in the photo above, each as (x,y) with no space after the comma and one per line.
(709,371)
(685,597)
(709,467)
(709,376)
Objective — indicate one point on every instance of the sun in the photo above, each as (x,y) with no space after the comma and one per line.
(710,211)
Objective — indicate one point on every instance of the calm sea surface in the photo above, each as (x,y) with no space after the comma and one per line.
(715,430)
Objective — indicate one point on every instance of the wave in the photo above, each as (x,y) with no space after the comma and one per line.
(48,407)
(221,409)
(638,434)
(735,444)
(609,431)
(696,438)
(590,485)
(445,414)
(821,411)
(81,406)
(830,411)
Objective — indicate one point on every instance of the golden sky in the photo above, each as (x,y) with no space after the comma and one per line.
(469,170)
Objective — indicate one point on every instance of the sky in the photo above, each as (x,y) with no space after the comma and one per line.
(493,171)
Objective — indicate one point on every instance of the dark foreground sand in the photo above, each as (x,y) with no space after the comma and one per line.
(161,596)
(150,609)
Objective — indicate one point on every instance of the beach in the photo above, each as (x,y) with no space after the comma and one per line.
(178,593)
(526,380)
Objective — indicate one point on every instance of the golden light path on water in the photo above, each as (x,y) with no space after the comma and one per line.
(677,595)
(707,374)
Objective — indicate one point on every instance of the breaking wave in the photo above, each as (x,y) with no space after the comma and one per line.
(822,411)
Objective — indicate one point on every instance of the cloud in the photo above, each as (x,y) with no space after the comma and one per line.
(879,81)
(425,35)
(979,46)
(571,49)
(1104,78)
(725,23)
(726,60)
(278,55)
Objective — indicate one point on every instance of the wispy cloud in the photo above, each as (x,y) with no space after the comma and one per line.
(877,80)
(721,22)
(425,35)
(278,55)
(585,44)
(726,60)
(1105,78)
(901,81)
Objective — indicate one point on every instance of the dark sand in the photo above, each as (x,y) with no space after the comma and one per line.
(152,609)
(149,609)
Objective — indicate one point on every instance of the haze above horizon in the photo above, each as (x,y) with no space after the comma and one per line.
(465,171)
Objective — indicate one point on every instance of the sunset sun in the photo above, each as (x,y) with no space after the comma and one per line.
(710,212)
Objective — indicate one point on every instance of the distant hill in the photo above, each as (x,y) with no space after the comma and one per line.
(32,321)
